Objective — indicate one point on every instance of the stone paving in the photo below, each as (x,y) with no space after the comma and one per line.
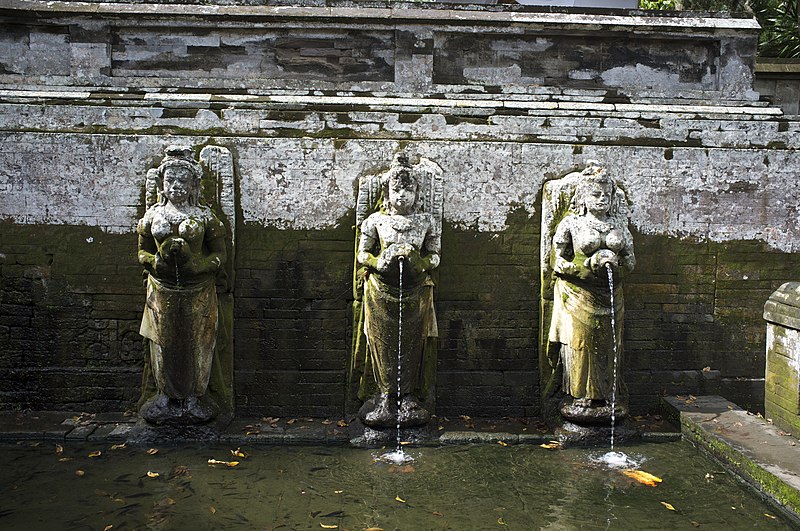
(750,446)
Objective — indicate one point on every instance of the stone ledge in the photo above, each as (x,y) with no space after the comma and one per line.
(758,453)
(783,306)
(432,13)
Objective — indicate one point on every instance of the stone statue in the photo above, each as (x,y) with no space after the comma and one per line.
(591,235)
(403,234)
(182,246)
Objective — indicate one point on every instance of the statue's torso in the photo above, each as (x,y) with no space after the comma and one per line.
(410,229)
(589,236)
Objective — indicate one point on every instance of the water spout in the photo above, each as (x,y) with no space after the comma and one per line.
(616,355)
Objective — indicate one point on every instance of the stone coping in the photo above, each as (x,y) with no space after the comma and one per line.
(59,426)
(393,102)
(408,12)
(760,454)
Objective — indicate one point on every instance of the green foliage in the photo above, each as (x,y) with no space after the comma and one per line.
(780,33)
(657,4)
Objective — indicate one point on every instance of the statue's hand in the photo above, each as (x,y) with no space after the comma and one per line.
(177,251)
(602,257)
(160,265)
(565,267)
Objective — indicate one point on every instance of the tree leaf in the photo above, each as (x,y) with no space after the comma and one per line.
(668,506)
(398,498)
(59,449)
(152,451)
(326,526)
(152,474)
(118,446)
(239,453)
(549,446)
(96,453)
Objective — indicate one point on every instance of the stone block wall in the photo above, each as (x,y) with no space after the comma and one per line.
(335,93)
(782,397)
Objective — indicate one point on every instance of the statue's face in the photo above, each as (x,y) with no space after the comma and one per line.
(402,198)
(598,198)
(178,184)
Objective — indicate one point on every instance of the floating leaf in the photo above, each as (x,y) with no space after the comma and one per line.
(213,510)
(291,421)
(65,459)
(338,491)
(327,421)
(342,423)
(239,453)
(226,463)
(643,477)
(373,529)
(502,443)
(80,473)
(152,451)
(326,526)
(500,521)
(398,498)
(770,516)
(437,513)
(96,453)
(118,446)
(108,527)
(668,506)
(152,474)
(59,449)
(405,443)
(550,445)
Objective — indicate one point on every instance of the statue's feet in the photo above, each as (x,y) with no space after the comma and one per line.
(412,413)
(200,409)
(160,409)
(381,415)
(585,411)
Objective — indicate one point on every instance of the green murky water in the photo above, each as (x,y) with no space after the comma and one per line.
(477,487)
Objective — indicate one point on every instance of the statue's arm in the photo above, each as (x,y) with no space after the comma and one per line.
(215,243)
(627,260)
(148,251)
(566,264)
(431,250)
(366,244)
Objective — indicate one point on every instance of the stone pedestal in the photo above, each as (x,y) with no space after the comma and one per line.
(782,395)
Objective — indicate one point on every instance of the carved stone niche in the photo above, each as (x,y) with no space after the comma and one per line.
(186,245)
(584,240)
(398,241)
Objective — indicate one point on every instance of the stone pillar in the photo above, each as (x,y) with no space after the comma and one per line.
(782,395)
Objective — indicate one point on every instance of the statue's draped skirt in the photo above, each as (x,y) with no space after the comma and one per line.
(582,325)
(181,325)
(381,328)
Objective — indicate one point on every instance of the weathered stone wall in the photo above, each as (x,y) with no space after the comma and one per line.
(337,95)
(779,81)
(782,396)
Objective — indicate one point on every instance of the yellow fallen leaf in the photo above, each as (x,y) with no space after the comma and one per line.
(213,510)
(405,443)
(643,477)
(502,443)
(59,449)
(65,459)
(500,521)
(152,451)
(398,498)
(108,527)
(550,445)
(770,516)
(338,491)
(668,506)
(437,513)
(342,424)
(80,473)
(373,529)
(239,453)
(152,474)
(326,526)
(96,453)
(118,446)
(226,463)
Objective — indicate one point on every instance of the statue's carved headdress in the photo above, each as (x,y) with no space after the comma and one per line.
(592,175)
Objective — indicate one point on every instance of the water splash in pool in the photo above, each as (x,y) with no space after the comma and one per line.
(615,460)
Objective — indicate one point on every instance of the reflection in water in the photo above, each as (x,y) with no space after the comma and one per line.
(477,487)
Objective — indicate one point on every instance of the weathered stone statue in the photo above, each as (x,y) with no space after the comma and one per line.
(590,236)
(398,247)
(182,246)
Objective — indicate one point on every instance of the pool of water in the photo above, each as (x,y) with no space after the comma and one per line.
(459,487)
